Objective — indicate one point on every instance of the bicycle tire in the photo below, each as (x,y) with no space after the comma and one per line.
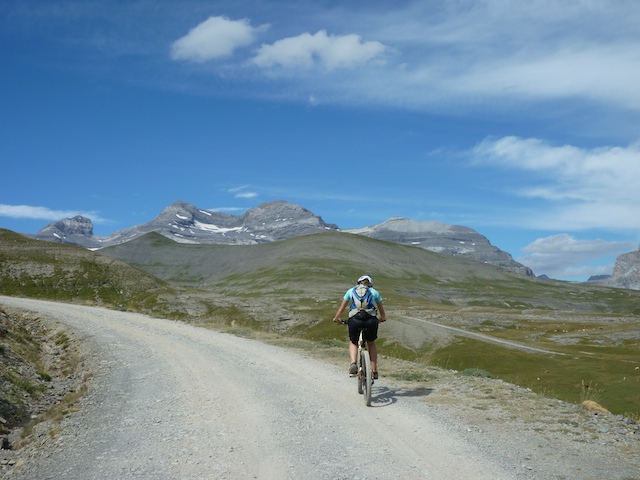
(360,373)
(367,378)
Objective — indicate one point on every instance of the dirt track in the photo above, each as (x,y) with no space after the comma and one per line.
(173,401)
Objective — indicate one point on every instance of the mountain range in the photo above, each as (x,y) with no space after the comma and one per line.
(186,223)
(281,220)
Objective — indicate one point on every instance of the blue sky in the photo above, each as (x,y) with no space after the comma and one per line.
(518,119)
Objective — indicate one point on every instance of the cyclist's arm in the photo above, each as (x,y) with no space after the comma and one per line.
(383,315)
(341,309)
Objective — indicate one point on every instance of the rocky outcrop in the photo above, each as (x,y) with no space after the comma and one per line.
(626,271)
(75,231)
(268,222)
(444,238)
(185,223)
(281,220)
(38,371)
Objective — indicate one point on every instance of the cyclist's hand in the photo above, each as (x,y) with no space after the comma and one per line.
(337,320)
(383,319)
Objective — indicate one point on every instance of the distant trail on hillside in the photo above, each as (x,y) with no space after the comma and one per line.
(169,400)
(486,338)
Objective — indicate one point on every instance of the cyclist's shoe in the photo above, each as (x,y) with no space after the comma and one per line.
(353,369)
(375,375)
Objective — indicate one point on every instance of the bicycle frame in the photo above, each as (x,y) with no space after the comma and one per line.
(365,374)
(363,362)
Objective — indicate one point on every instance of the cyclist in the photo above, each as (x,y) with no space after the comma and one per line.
(359,319)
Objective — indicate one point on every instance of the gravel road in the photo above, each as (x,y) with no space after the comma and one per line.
(172,401)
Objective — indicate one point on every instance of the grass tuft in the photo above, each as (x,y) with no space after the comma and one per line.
(476,372)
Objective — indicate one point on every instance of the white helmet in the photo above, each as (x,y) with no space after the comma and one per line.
(365,277)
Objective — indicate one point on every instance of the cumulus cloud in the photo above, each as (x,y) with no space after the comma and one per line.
(581,187)
(219,37)
(564,256)
(43,213)
(306,50)
(214,38)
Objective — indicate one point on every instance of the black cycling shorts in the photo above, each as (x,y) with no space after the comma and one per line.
(371,332)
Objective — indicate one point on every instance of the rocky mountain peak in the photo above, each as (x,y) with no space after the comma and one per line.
(77,230)
(443,238)
(77,225)
(183,214)
(281,219)
(406,225)
(176,209)
(626,271)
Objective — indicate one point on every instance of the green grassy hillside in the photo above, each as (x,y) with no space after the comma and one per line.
(326,264)
(54,271)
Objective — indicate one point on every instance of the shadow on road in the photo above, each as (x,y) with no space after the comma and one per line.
(385,396)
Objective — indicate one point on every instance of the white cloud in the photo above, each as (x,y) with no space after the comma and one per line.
(601,73)
(214,38)
(564,256)
(516,51)
(528,51)
(452,56)
(448,56)
(581,188)
(231,210)
(246,195)
(331,51)
(44,213)
(238,189)
(242,192)
(564,243)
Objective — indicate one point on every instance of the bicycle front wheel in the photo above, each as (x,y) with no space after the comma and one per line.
(361,371)
(367,378)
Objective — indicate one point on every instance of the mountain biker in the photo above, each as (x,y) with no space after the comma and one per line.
(366,318)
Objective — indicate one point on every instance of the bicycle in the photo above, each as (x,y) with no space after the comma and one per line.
(363,361)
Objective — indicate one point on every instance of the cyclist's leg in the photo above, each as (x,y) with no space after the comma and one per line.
(354,332)
(371,335)
(353,351)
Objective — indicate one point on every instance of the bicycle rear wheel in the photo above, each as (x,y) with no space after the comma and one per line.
(367,378)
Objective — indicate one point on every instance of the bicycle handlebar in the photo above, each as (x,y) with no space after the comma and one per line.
(346,322)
